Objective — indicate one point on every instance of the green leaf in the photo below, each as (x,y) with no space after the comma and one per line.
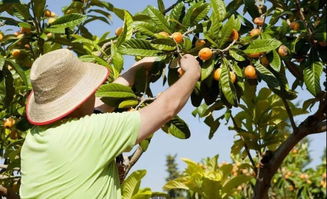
(178,128)
(117,58)
(236,55)
(115,90)
(67,21)
(9,88)
(19,70)
(234,182)
(132,183)
(262,45)
(38,7)
(227,29)
(2,62)
(127,29)
(158,18)
(276,62)
(138,47)
(312,77)
(161,6)
(219,9)
(207,68)
(23,10)
(213,124)
(163,44)
(199,13)
(251,8)
(175,184)
(176,14)
(94,59)
(128,103)
(266,75)
(225,83)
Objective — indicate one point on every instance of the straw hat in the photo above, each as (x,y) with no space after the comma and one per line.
(61,82)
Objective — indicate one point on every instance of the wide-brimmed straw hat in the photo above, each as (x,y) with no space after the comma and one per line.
(61,82)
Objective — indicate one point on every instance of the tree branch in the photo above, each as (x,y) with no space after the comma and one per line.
(300,10)
(290,114)
(171,7)
(294,70)
(133,159)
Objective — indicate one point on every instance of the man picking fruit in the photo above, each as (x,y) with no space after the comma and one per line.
(70,153)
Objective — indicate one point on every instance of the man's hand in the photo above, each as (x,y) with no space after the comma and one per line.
(189,62)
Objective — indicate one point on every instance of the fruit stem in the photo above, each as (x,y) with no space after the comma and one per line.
(225,49)
(190,30)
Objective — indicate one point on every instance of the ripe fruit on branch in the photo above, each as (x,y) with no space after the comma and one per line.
(216,74)
(294,25)
(232,77)
(118,31)
(51,20)
(1,36)
(254,55)
(27,46)
(254,32)
(25,30)
(15,52)
(250,72)
(200,42)
(178,37)
(283,50)
(234,35)
(9,122)
(264,60)
(258,21)
(164,34)
(321,43)
(180,72)
(47,13)
(205,54)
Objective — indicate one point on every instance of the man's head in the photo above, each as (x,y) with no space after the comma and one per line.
(61,83)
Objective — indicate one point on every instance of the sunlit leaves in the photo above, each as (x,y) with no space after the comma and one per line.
(262,45)
(138,47)
(312,76)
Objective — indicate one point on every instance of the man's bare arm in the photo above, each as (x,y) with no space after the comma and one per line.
(171,101)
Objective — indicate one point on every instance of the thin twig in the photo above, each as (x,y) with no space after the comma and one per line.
(133,159)
(300,10)
(290,114)
(245,147)
(227,48)
(189,31)
(143,101)
(171,7)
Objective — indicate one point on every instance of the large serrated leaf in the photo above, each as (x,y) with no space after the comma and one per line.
(67,21)
(227,29)
(199,13)
(132,184)
(23,10)
(219,10)
(128,103)
(127,30)
(225,84)
(234,182)
(117,58)
(163,44)
(178,128)
(262,45)
(176,14)
(138,47)
(19,70)
(158,18)
(38,7)
(276,61)
(115,90)
(207,68)
(267,76)
(312,77)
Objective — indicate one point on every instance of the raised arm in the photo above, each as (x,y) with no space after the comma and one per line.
(126,79)
(171,101)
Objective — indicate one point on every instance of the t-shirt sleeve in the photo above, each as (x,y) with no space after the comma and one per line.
(115,132)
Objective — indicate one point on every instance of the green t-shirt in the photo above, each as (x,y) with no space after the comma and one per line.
(77,158)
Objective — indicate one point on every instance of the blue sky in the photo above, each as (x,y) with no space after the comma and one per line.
(198,146)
